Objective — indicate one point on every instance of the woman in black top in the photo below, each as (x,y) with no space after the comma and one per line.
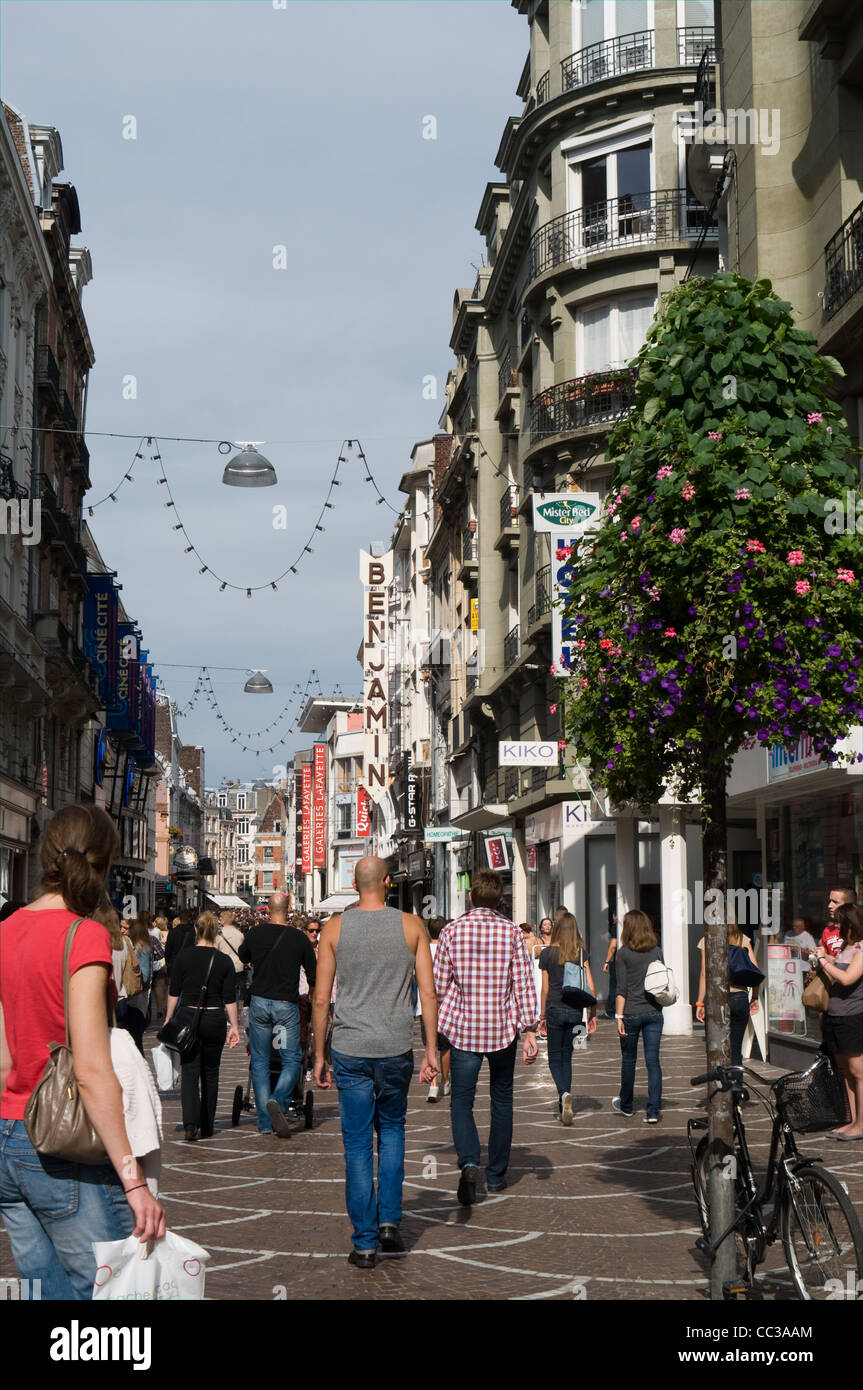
(637,1014)
(199,1067)
(564,1024)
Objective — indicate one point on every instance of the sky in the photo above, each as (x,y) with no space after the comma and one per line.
(275,249)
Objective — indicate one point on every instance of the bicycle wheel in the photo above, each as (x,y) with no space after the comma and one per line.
(821,1236)
(700,1181)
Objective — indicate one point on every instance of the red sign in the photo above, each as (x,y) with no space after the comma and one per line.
(364,820)
(306,860)
(320,766)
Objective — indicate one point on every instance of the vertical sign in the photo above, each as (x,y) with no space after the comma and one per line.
(100,633)
(364,818)
(122,716)
(376,575)
(298,814)
(565,516)
(307,819)
(320,811)
(411,814)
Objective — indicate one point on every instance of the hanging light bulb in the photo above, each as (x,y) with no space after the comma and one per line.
(257,684)
(249,469)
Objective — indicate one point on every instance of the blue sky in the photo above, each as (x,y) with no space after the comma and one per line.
(259,127)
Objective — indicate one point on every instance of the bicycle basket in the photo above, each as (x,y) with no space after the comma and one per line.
(813,1099)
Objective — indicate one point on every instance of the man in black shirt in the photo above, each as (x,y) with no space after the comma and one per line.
(179,937)
(276,951)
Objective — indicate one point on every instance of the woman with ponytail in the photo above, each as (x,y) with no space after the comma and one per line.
(53,1209)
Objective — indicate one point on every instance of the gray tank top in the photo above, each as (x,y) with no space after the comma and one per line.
(374,970)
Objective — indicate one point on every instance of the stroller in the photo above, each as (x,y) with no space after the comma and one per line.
(302,1106)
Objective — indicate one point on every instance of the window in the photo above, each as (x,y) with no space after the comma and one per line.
(611,334)
(223,798)
(267,882)
(242,854)
(241,801)
(278,827)
(268,853)
(344,820)
(242,827)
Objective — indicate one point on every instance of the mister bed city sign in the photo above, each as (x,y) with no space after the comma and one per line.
(564,511)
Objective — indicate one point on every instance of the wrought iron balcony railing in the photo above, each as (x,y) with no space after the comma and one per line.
(610,58)
(504,376)
(704,81)
(542,85)
(693,42)
(842,263)
(587,400)
(525,331)
(630,220)
(542,591)
(510,648)
(509,508)
(468,547)
(10,489)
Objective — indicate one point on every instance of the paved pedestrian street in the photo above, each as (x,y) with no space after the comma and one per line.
(603,1210)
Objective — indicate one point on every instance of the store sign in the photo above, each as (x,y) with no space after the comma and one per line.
(320,804)
(122,717)
(787,762)
(376,576)
(474,615)
(416,865)
(435,833)
(496,852)
(347,862)
(307,818)
(100,633)
(364,814)
(533,753)
(784,985)
(565,511)
(411,799)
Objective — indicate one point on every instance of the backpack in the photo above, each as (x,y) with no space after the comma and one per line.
(145,961)
(740,968)
(574,991)
(659,984)
(133,980)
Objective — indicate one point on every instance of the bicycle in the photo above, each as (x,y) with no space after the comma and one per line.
(800,1201)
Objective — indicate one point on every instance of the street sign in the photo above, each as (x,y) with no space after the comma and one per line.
(441,832)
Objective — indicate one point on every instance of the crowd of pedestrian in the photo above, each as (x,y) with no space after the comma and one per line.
(481,984)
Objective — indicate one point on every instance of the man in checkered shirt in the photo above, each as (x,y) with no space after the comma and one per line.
(484,983)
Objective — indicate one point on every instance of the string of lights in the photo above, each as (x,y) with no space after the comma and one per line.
(294,704)
(370,477)
(126,478)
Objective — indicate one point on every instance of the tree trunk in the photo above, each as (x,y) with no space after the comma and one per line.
(721,1195)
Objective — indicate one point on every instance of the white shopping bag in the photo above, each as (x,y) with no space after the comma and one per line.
(170,1268)
(166,1065)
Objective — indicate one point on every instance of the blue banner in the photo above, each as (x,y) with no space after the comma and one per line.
(100,634)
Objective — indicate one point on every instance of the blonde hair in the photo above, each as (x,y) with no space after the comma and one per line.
(638,933)
(566,937)
(207,927)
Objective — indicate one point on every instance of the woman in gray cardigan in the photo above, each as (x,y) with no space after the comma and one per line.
(636,1014)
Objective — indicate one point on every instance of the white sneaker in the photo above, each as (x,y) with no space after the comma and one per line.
(434,1093)
(566,1109)
(447,1088)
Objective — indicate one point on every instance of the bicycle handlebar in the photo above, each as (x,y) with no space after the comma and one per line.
(715,1075)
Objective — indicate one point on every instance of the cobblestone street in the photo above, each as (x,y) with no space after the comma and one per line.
(603,1210)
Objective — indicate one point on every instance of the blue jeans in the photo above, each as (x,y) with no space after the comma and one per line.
(373,1097)
(649,1025)
(465,1069)
(560,1020)
(739,1000)
(269,1018)
(53,1210)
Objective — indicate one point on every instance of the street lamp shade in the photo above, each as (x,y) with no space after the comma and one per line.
(249,469)
(257,684)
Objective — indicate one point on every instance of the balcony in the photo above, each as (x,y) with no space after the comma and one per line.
(48,378)
(542,86)
(10,489)
(508,519)
(842,262)
(64,536)
(610,58)
(541,607)
(59,645)
(600,398)
(510,648)
(70,418)
(525,331)
(80,462)
(469,566)
(692,44)
(635,219)
(705,85)
(505,376)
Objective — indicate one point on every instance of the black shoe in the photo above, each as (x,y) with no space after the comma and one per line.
(390,1239)
(362,1259)
(191,1134)
(206,1133)
(467,1186)
(279,1119)
(498,1187)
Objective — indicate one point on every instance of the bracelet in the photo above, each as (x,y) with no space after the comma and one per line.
(127,1190)
(618,1015)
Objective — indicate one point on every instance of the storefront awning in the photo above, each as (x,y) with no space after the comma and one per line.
(225,900)
(481,817)
(336,902)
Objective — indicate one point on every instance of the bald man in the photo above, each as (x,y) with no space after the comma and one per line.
(276,951)
(376,950)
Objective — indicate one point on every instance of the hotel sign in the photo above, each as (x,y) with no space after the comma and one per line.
(565,511)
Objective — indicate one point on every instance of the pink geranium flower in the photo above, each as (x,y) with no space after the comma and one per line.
(665,471)
(847,576)
(714,434)
(688,492)
(678,535)
(636,524)
(816,418)
(795,557)
(552,709)
(756,546)
(670,632)
(742,494)
(802,586)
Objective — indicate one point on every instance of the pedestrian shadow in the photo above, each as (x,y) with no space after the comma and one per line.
(585,1105)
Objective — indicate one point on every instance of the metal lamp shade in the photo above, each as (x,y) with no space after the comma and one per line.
(257,684)
(249,469)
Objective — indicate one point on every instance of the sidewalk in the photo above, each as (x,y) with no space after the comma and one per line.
(603,1210)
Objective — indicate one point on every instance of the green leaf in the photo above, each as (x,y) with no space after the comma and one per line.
(833,365)
(651,410)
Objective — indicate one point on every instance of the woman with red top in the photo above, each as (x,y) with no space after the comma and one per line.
(54,1209)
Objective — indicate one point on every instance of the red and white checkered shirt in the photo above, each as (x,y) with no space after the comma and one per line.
(484,982)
